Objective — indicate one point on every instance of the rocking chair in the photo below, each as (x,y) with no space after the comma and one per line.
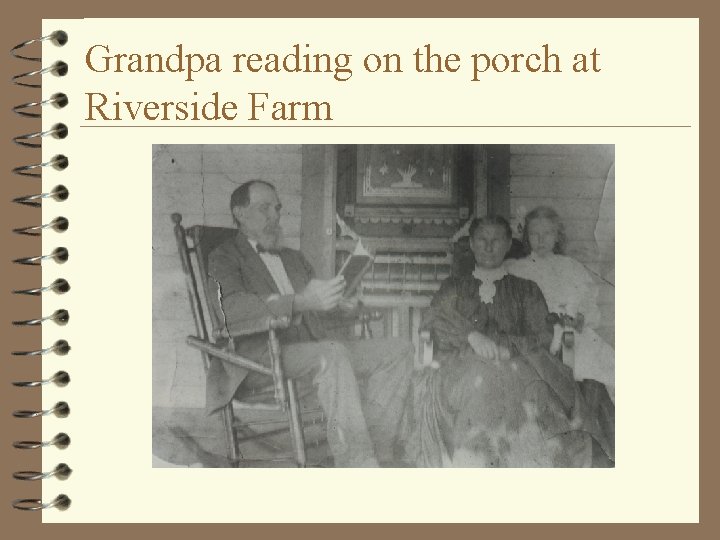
(213,342)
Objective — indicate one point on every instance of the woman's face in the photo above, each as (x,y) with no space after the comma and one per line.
(489,244)
(542,234)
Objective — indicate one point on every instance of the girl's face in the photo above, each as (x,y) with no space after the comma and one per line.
(542,234)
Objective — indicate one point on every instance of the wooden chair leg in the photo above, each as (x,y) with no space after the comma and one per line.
(296,428)
(233,453)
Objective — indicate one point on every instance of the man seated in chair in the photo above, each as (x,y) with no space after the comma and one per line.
(255,277)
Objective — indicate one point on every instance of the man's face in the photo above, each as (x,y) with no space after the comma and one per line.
(489,244)
(260,219)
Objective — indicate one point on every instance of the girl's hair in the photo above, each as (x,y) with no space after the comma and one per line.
(546,212)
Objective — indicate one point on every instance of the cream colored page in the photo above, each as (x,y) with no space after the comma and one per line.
(649,77)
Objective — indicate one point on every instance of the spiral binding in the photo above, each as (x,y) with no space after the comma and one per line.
(32,79)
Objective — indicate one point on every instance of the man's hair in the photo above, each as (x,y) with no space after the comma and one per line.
(491,220)
(241,195)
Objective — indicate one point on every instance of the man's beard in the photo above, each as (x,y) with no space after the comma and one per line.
(271,237)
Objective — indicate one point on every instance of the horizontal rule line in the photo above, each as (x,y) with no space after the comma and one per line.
(375,127)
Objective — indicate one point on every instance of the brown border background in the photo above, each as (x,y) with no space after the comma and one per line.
(21,20)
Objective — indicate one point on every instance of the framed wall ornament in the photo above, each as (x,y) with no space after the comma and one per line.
(406,174)
(405,190)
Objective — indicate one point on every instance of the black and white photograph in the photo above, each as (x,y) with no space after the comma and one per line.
(394,306)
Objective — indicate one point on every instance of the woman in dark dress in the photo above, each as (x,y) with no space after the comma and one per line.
(496,397)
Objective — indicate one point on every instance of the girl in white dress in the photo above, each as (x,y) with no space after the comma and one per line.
(569,289)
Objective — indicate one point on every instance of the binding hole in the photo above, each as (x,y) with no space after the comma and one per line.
(60,224)
(61,441)
(59,37)
(60,286)
(60,162)
(60,193)
(61,347)
(61,409)
(60,255)
(59,100)
(60,317)
(59,68)
(59,131)
(61,379)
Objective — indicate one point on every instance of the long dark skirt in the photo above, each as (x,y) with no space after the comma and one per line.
(524,412)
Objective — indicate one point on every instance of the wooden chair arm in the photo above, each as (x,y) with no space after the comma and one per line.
(233,358)
(424,353)
(258,326)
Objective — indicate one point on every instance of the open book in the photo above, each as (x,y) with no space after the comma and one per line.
(355,267)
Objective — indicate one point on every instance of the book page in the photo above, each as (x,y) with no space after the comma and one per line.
(354,267)
(627,84)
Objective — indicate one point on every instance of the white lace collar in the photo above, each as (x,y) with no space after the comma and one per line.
(488,277)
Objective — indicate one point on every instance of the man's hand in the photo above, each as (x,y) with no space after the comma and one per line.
(486,348)
(320,295)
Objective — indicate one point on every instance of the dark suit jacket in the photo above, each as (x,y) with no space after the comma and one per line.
(240,285)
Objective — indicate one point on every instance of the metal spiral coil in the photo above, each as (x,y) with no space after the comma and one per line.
(59,68)
(58,131)
(60,409)
(58,162)
(60,347)
(61,502)
(59,193)
(61,472)
(60,441)
(61,378)
(59,37)
(59,286)
(59,224)
(59,255)
(58,100)
(60,316)
(34,139)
